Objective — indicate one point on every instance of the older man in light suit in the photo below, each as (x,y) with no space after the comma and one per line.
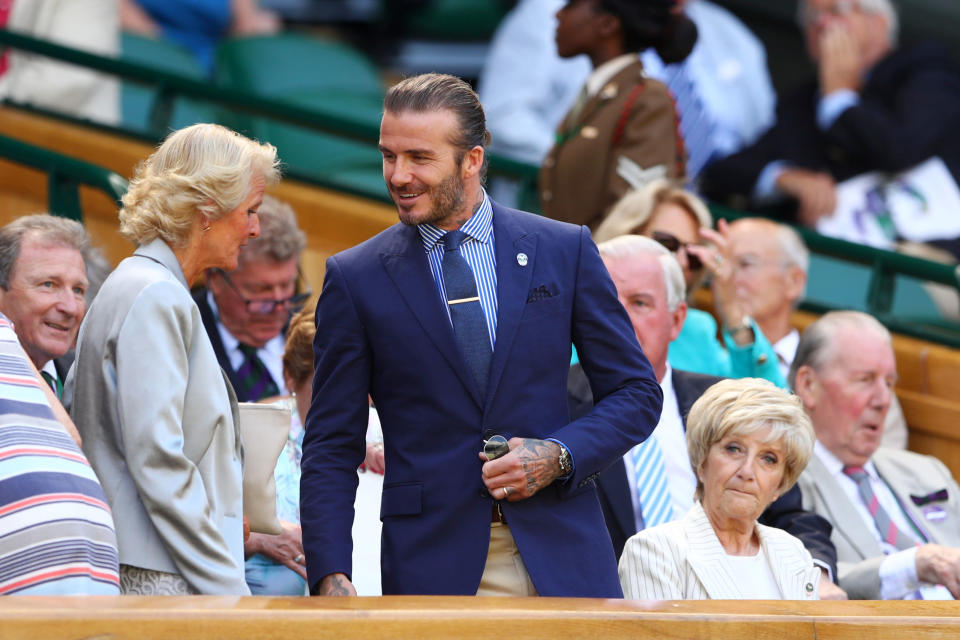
(895,514)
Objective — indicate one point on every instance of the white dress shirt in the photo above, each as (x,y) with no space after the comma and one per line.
(786,349)
(270,354)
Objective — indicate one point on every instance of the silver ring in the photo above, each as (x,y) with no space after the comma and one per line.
(506,491)
(718,259)
(298,558)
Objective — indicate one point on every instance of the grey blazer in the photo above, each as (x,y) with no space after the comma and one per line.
(684,560)
(159,425)
(909,475)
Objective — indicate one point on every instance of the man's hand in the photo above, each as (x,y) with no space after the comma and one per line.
(816,192)
(530,466)
(285,548)
(841,64)
(937,564)
(828,590)
(336,584)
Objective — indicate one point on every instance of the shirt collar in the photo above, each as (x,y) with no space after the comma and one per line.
(835,466)
(605,72)
(51,368)
(479,226)
(786,347)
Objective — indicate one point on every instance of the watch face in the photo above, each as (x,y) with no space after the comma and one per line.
(564,461)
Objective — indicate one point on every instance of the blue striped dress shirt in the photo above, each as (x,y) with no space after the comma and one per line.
(478,250)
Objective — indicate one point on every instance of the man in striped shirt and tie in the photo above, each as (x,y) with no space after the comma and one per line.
(458,321)
(895,514)
(43,281)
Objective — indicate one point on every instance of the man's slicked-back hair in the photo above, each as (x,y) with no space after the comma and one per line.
(438,92)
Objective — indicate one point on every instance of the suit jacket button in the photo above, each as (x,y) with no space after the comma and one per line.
(762,358)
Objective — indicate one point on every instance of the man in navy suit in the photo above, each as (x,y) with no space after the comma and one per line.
(651,287)
(394,319)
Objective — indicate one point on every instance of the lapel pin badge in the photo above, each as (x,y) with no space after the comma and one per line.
(522,259)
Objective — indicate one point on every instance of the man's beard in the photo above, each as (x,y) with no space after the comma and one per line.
(448,197)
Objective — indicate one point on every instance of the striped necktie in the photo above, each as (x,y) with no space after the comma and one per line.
(885,525)
(255,381)
(54,383)
(466,314)
(651,476)
(696,123)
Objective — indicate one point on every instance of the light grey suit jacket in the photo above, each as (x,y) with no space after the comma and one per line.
(858,553)
(684,560)
(159,425)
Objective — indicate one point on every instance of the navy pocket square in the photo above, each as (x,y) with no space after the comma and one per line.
(539,293)
(936,496)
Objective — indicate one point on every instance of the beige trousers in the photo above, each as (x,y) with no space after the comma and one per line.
(504,573)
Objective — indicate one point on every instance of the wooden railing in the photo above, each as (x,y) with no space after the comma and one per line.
(410,617)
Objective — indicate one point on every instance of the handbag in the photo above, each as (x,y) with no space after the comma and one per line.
(264,429)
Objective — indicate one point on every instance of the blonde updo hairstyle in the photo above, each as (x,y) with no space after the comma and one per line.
(745,406)
(200,170)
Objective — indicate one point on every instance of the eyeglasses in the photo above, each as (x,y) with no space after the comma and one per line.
(672,244)
(264,307)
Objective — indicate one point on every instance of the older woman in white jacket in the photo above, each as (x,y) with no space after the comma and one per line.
(748,442)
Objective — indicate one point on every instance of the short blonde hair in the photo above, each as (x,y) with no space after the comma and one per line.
(298,351)
(203,169)
(745,406)
(633,211)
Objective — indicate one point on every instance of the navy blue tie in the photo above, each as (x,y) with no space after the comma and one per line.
(469,324)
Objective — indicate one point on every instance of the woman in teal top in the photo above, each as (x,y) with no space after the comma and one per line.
(679,220)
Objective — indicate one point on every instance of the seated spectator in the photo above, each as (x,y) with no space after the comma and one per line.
(748,442)
(278,567)
(622,128)
(894,513)
(650,287)
(197,25)
(675,218)
(43,282)
(56,531)
(245,310)
(874,107)
(156,411)
(88,25)
(769,264)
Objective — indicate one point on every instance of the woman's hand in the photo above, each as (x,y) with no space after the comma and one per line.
(374,458)
(285,548)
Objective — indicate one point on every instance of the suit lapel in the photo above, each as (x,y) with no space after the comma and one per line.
(913,514)
(789,569)
(838,510)
(513,286)
(707,558)
(407,266)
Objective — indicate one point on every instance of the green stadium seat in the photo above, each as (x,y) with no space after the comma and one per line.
(309,72)
(137,100)
(457,20)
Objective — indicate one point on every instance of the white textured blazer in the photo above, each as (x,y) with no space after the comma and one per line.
(684,560)
(159,425)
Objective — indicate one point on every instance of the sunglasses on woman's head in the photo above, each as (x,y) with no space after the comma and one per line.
(672,244)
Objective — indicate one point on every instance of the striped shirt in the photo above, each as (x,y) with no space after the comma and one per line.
(56,530)
(479,252)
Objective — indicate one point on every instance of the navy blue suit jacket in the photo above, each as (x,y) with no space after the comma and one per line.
(909,106)
(785,513)
(382,328)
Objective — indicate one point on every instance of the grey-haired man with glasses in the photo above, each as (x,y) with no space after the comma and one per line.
(246,310)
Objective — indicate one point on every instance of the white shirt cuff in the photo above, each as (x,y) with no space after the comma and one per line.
(898,575)
(832,106)
(766,186)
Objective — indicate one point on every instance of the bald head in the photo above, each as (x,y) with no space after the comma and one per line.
(771,265)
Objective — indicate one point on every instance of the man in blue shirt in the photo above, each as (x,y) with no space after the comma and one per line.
(458,323)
